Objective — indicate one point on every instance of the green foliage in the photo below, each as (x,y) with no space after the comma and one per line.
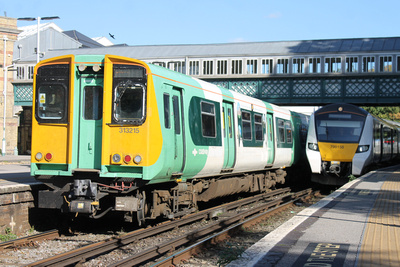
(389,113)
(8,235)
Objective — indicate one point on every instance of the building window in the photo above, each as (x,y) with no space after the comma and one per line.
(385,64)
(266,66)
(251,66)
(20,72)
(298,65)
(314,65)
(368,64)
(282,65)
(333,65)
(208,121)
(398,63)
(208,67)
(194,67)
(246,125)
(222,67)
(258,127)
(351,64)
(178,66)
(159,63)
(30,72)
(237,66)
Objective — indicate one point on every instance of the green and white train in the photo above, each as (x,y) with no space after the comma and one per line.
(148,142)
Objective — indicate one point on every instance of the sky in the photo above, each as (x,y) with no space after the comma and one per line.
(157,22)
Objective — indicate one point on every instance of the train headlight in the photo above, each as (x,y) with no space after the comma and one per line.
(361,149)
(116,158)
(137,159)
(39,156)
(313,146)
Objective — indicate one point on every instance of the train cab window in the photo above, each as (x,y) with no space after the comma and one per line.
(208,121)
(339,127)
(258,127)
(288,130)
(51,102)
(167,112)
(93,104)
(129,94)
(246,125)
(281,131)
(52,83)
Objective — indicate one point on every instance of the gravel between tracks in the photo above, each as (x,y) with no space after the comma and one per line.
(218,255)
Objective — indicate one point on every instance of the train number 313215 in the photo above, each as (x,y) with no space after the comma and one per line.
(128,130)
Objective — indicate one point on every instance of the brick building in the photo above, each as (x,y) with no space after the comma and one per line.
(8,33)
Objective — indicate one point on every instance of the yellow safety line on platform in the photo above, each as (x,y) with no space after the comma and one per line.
(381,243)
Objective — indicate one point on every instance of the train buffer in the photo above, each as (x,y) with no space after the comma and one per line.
(357,225)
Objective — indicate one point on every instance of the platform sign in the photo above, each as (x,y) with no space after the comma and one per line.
(323,254)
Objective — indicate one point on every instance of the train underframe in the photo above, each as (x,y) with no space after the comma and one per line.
(333,173)
(88,194)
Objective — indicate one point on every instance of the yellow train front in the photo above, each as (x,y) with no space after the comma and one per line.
(345,140)
(86,137)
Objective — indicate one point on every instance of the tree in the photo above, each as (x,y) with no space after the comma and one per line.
(389,113)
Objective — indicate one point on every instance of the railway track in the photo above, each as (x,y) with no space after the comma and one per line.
(227,220)
(29,241)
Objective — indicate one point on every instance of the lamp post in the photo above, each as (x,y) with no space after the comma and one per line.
(38,31)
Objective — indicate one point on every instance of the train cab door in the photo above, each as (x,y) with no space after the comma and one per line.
(90,123)
(179,131)
(270,139)
(228,135)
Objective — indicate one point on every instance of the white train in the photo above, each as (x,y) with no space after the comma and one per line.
(345,140)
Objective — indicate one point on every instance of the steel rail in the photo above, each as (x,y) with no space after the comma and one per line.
(223,226)
(92,250)
(29,240)
(184,254)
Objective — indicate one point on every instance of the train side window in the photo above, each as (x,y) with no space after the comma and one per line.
(167,112)
(281,131)
(230,122)
(93,105)
(258,127)
(246,125)
(175,104)
(208,121)
(288,129)
(270,129)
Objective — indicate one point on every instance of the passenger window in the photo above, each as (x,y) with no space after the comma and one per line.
(208,121)
(246,125)
(167,112)
(175,103)
(258,127)
(281,131)
(93,105)
(288,128)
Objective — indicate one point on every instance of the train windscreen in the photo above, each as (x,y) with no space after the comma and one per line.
(129,94)
(339,128)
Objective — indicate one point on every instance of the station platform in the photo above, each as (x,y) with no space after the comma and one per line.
(357,225)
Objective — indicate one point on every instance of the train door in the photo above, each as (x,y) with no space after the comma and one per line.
(270,139)
(90,123)
(229,135)
(179,131)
